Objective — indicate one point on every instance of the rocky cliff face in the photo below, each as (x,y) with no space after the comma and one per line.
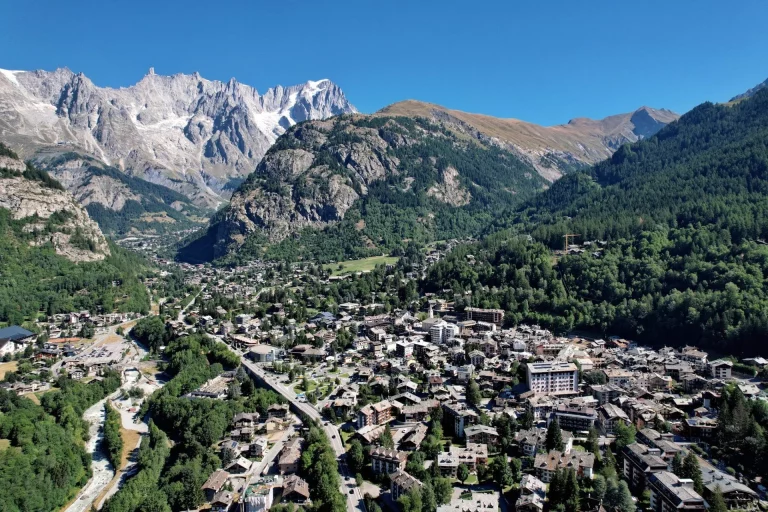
(182,131)
(320,171)
(551,150)
(50,215)
(90,189)
(120,203)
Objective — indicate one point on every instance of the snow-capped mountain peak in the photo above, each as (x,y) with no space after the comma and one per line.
(183,131)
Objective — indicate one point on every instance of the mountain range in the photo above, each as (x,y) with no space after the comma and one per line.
(359,185)
(192,135)
(302,171)
(351,186)
(552,150)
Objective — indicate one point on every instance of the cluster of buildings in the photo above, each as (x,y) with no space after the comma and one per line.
(401,367)
(250,447)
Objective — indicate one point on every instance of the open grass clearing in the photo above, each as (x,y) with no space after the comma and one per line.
(361,265)
(7,368)
(311,386)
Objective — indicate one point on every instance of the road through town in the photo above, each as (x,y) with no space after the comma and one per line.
(348,486)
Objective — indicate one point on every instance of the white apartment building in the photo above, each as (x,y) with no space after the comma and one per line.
(553,378)
(721,369)
(442,332)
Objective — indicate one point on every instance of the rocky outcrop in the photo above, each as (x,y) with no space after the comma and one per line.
(318,171)
(6,162)
(92,189)
(182,131)
(52,216)
(449,190)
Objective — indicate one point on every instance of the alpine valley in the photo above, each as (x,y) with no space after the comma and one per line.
(160,156)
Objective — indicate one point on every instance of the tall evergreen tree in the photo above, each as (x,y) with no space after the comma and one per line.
(411,501)
(571,491)
(609,467)
(428,500)
(517,469)
(593,444)
(556,489)
(526,420)
(716,501)
(625,502)
(599,487)
(386,439)
(677,465)
(502,474)
(692,470)
(554,437)
(355,456)
(473,392)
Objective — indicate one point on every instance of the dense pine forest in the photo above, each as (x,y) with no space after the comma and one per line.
(683,216)
(35,280)
(46,462)
(710,168)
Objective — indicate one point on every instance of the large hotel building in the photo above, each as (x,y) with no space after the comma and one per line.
(553,378)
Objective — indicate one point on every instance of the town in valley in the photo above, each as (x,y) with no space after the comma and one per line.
(410,391)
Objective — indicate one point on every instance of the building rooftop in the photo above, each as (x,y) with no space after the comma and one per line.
(13,333)
(677,490)
(551,366)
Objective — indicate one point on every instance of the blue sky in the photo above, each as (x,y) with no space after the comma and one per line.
(541,61)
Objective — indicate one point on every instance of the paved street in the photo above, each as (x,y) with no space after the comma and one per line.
(355,498)
(268,457)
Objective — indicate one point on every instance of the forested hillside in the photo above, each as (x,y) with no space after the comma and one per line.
(34,279)
(708,168)
(53,258)
(683,213)
(357,185)
(46,462)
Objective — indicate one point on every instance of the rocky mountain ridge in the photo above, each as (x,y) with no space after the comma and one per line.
(119,203)
(750,92)
(185,132)
(377,181)
(50,214)
(552,150)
